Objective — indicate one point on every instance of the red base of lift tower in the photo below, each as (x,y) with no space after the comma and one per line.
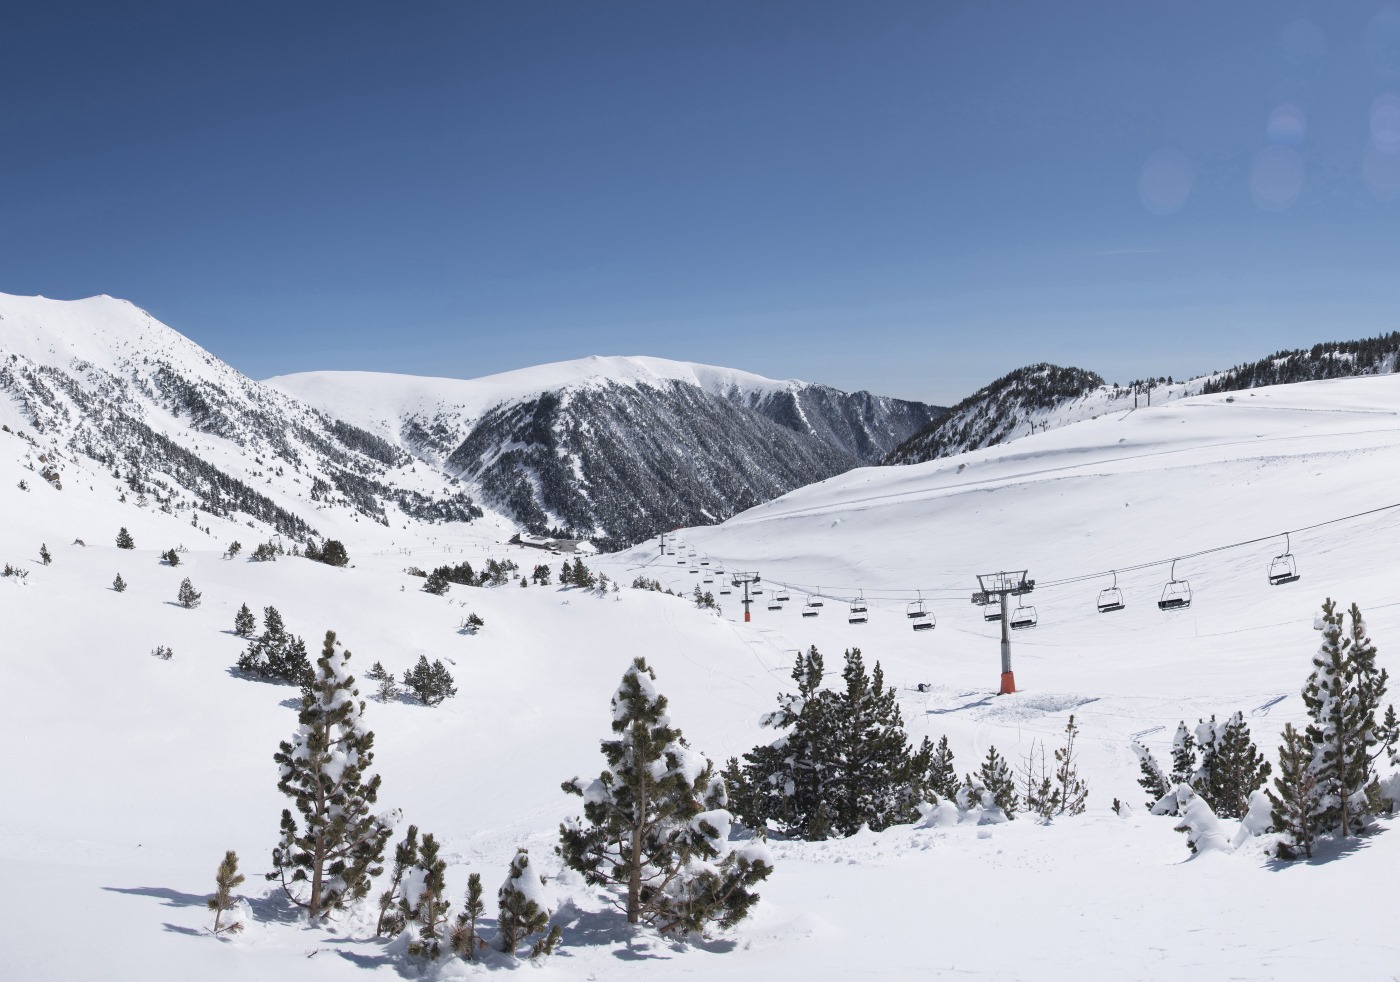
(1008,683)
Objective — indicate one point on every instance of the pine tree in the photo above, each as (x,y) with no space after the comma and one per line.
(541,575)
(464,939)
(1342,697)
(333,553)
(1153,780)
(428,910)
(582,576)
(393,902)
(522,904)
(276,655)
(943,773)
(124,539)
(1238,769)
(188,595)
(436,583)
(1038,791)
(995,775)
(654,823)
(170,557)
(386,686)
(1183,756)
(119,584)
(244,623)
(226,880)
(1071,790)
(44,554)
(430,683)
(1297,804)
(330,858)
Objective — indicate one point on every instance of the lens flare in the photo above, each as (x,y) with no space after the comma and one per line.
(1276,179)
(1165,182)
(1288,125)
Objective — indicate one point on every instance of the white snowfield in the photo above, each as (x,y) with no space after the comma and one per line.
(126,776)
(378,401)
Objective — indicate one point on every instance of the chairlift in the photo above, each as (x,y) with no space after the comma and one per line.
(704,562)
(917,611)
(1283,569)
(859,612)
(1176,595)
(812,607)
(1111,598)
(1023,617)
(708,579)
(927,624)
(782,596)
(815,600)
(724,591)
(774,605)
(992,611)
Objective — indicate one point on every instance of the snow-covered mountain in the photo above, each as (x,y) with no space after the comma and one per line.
(619,448)
(103,380)
(1034,397)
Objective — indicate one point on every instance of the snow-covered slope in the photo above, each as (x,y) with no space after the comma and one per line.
(129,776)
(101,385)
(619,448)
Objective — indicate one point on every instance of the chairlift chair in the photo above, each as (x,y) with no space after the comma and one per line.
(1176,595)
(1284,568)
(708,579)
(1111,598)
(812,607)
(927,624)
(774,605)
(917,611)
(859,613)
(724,591)
(1023,617)
(783,596)
(704,562)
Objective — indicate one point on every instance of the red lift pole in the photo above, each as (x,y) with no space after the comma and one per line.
(995,589)
(744,580)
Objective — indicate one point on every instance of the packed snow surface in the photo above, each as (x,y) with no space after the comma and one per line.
(127,776)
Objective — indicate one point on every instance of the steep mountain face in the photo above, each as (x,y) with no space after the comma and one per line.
(863,425)
(620,463)
(1030,398)
(179,429)
(617,448)
(1331,359)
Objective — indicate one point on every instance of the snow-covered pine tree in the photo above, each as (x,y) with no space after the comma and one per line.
(464,939)
(44,556)
(1207,739)
(869,758)
(1183,756)
(1153,780)
(436,583)
(996,777)
(426,904)
(1297,804)
(124,539)
(226,880)
(541,574)
(328,860)
(119,584)
(188,596)
(392,901)
(655,825)
(523,908)
(1237,770)
(1342,696)
(244,622)
(170,557)
(1204,832)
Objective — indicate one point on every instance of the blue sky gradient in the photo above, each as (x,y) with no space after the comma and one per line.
(909,196)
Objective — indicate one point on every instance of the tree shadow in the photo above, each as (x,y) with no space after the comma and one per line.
(189,932)
(169,898)
(1327,850)
(275,907)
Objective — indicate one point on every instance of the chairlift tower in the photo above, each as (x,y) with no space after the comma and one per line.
(997,588)
(745,580)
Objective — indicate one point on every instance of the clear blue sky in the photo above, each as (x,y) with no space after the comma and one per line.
(909,196)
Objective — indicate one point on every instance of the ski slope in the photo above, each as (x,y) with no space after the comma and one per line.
(129,776)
